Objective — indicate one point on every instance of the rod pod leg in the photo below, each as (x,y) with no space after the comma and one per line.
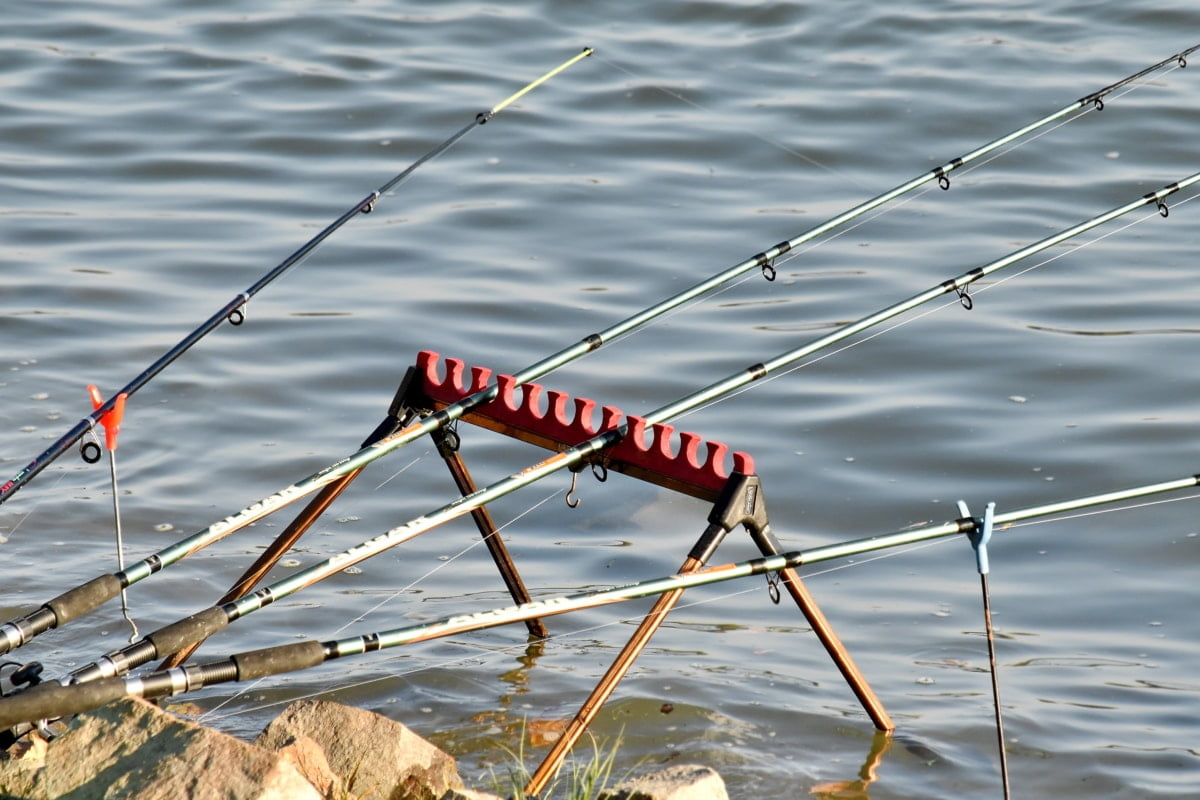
(769,546)
(398,415)
(740,502)
(447,445)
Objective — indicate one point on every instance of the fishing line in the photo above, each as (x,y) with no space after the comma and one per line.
(1097,512)
(1074,248)
(774,143)
(865,219)
(449,560)
(510,650)
(405,468)
(779,261)
(872,215)
(491,655)
(494,654)
(879,212)
(251,687)
(50,493)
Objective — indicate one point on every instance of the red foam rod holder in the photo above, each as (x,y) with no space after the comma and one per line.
(111,419)
(694,466)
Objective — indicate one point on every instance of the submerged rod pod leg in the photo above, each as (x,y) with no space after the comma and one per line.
(740,502)
(620,666)
(768,545)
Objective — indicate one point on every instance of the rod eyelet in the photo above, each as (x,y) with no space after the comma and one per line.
(90,452)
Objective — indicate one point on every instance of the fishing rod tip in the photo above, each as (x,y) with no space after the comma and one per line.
(587,51)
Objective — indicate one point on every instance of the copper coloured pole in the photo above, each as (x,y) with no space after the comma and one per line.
(837,651)
(604,689)
(769,546)
(270,557)
(447,448)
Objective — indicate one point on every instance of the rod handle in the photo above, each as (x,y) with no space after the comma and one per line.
(84,599)
(195,628)
(51,700)
(275,660)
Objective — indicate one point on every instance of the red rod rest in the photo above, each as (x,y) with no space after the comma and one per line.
(696,466)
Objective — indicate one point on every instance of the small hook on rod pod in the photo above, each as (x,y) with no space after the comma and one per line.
(572,500)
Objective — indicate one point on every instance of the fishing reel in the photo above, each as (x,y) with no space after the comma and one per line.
(23,677)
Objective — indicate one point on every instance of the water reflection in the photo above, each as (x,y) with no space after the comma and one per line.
(540,732)
(881,743)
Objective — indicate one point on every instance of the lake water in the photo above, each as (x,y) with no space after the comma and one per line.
(157,159)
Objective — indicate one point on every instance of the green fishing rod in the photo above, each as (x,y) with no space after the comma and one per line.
(234,310)
(200,626)
(83,599)
(53,699)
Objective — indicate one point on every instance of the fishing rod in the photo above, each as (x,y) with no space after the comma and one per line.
(54,699)
(87,597)
(216,618)
(235,309)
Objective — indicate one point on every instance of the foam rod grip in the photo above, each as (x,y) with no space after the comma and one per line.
(195,628)
(82,599)
(51,700)
(275,660)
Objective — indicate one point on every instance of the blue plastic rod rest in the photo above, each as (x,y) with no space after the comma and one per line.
(980,536)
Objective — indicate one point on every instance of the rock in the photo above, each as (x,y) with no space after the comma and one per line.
(20,765)
(131,748)
(310,761)
(468,794)
(680,782)
(375,757)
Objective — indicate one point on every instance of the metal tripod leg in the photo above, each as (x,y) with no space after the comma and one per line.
(604,689)
(749,488)
(739,503)
(447,445)
(760,532)
(398,415)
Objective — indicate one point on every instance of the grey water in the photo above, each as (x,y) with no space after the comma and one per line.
(157,159)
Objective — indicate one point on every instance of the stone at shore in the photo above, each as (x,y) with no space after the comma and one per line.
(131,748)
(679,782)
(314,750)
(375,756)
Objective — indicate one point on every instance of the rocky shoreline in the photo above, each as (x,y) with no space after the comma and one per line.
(314,750)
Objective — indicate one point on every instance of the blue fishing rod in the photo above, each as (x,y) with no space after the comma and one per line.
(235,310)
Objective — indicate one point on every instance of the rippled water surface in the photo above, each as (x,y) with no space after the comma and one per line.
(159,159)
